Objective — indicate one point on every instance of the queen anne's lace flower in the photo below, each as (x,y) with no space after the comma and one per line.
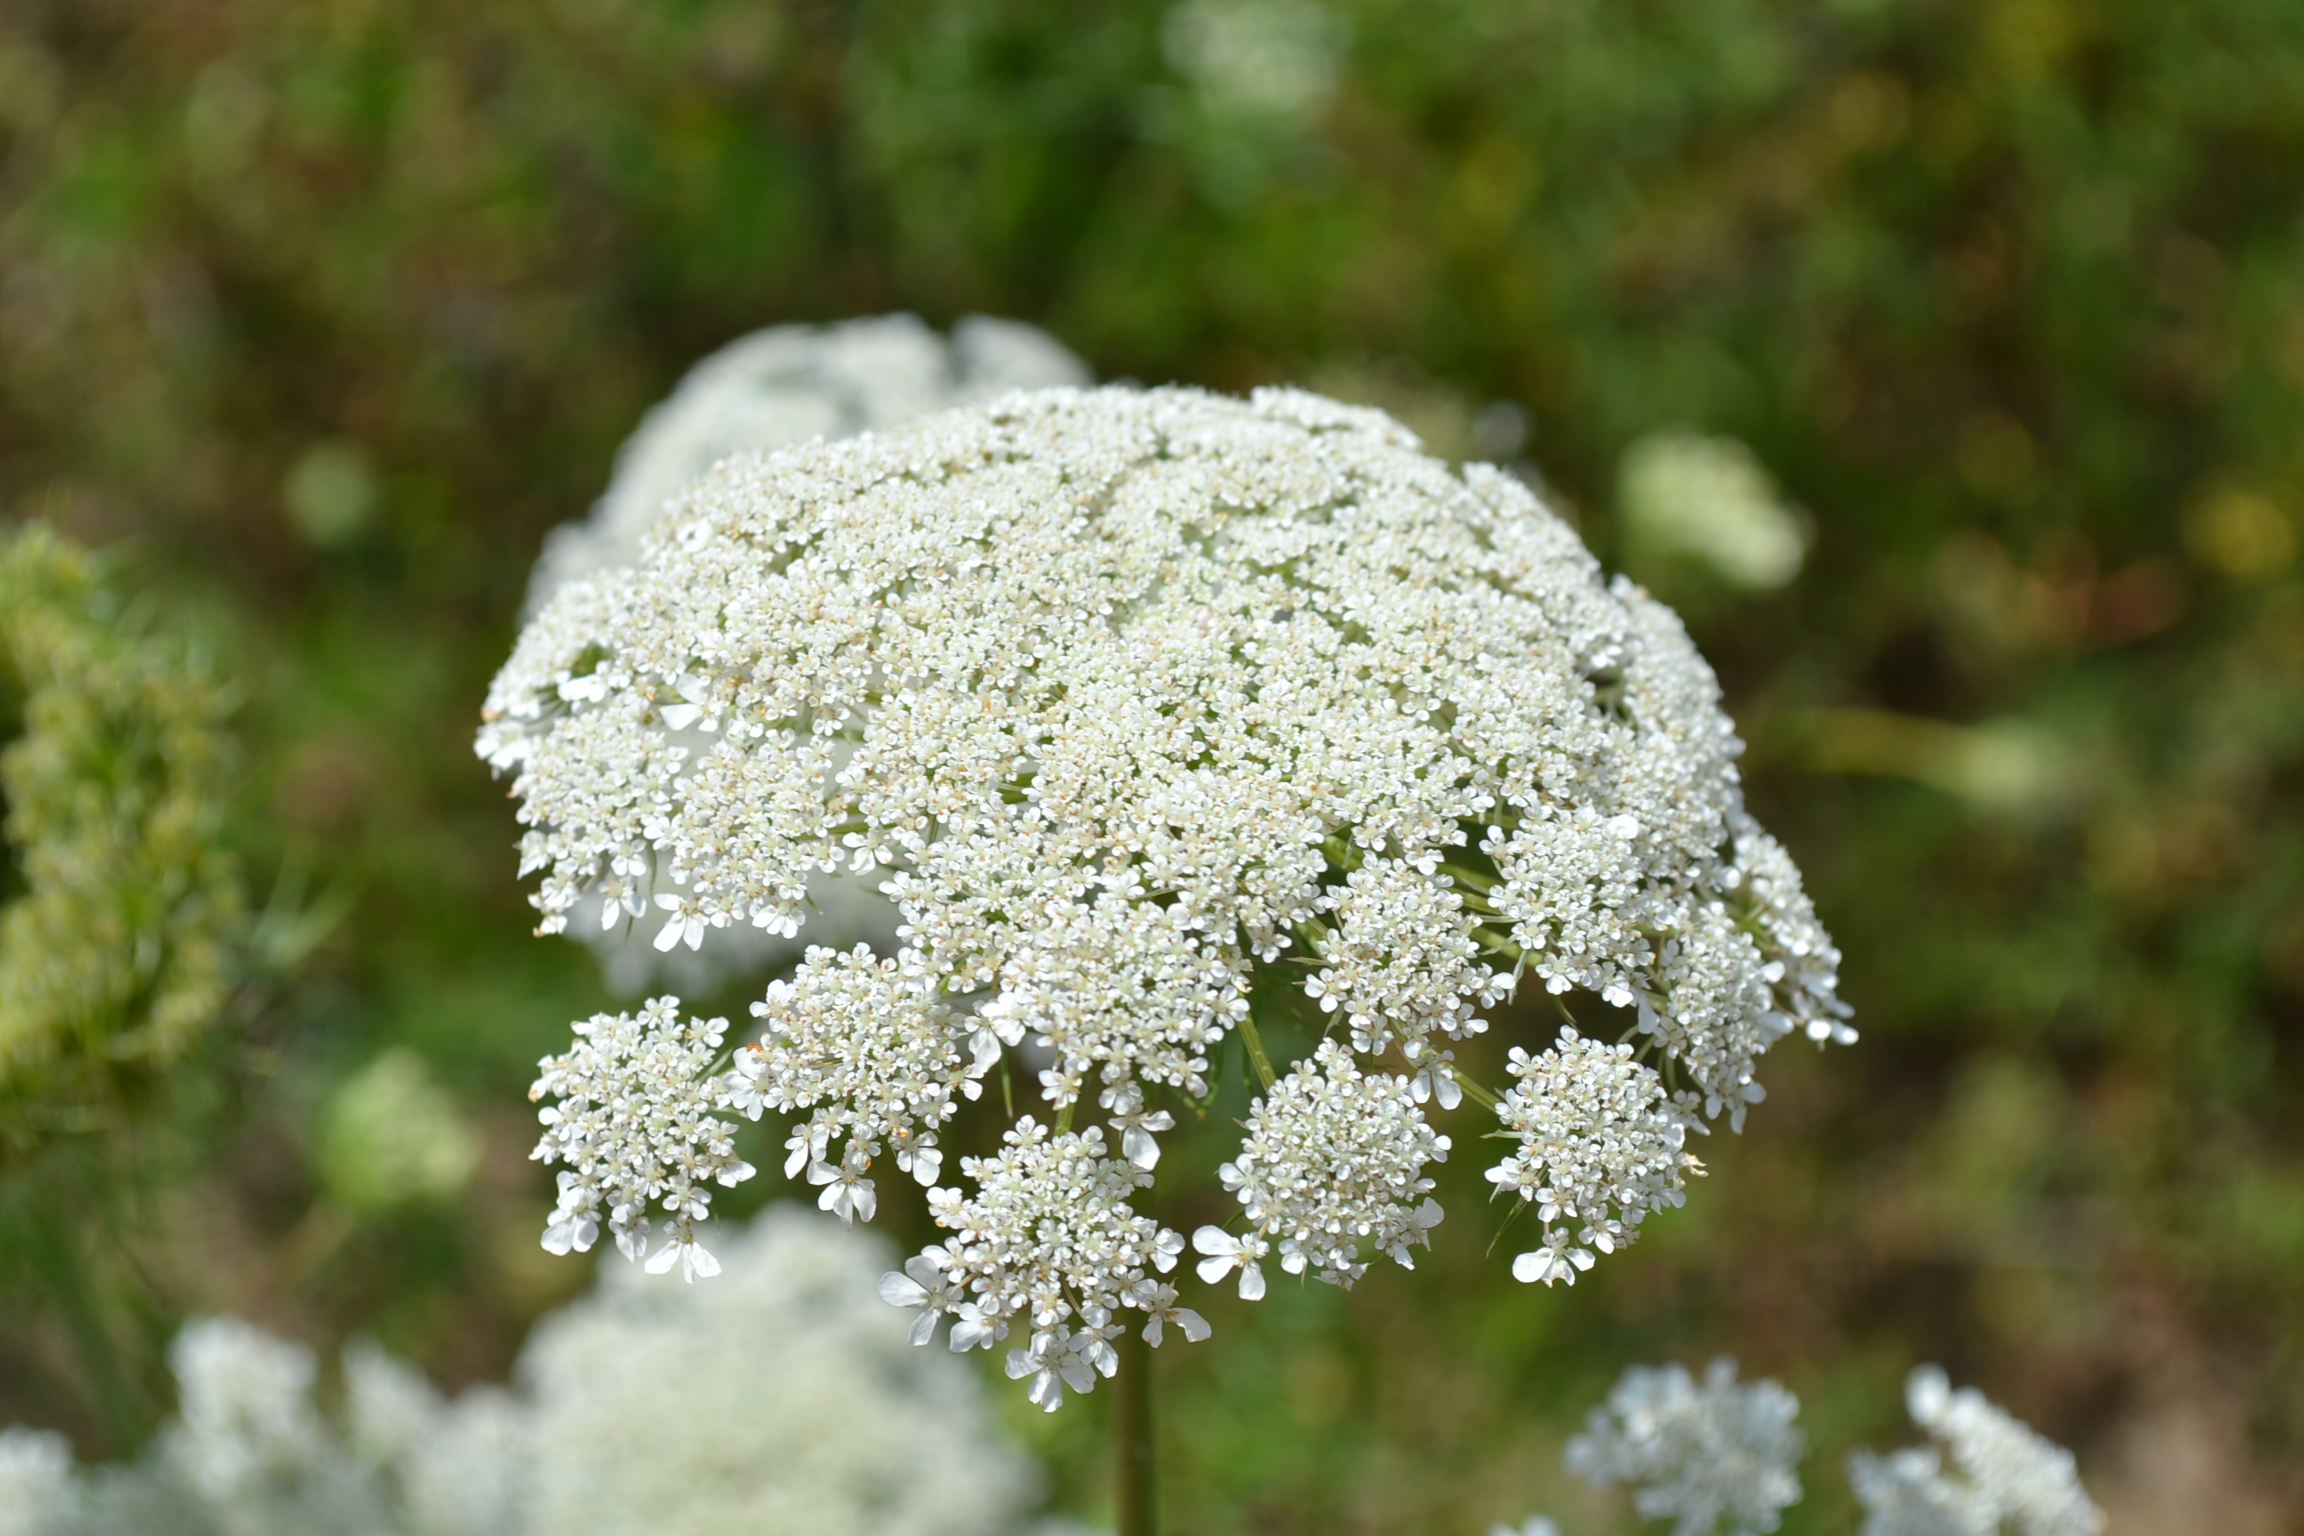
(1333,1162)
(2010,1476)
(1600,1151)
(1124,698)
(1712,1458)
(636,1127)
(1400,960)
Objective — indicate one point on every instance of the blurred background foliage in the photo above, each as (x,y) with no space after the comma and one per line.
(323,311)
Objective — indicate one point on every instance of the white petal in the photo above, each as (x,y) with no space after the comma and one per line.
(899,1290)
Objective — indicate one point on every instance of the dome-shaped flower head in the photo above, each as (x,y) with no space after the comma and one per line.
(1140,705)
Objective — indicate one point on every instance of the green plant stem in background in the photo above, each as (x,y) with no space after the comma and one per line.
(1139,1513)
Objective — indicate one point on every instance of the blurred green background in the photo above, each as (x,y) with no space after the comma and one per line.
(318,313)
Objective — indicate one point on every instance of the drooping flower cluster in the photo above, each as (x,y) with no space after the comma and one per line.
(1332,1166)
(1719,1459)
(2011,1477)
(1719,1456)
(782,1401)
(635,1126)
(1051,1246)
(1601,1149)
(1141,706)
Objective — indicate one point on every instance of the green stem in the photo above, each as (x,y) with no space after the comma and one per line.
(1472,1090)
(1256,1057)
(1132,1437)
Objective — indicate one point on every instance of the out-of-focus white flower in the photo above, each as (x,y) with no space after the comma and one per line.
(1273,57)
(1124,696)
(2010,1475)
(1906,1493)
(1534,1525)
(785,1398)
(390,1136)
(1716,1457)
(244,1400)
(784,1402)
(35,1480)
(1707,499)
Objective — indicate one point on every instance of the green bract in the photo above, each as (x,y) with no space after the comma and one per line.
(116,899)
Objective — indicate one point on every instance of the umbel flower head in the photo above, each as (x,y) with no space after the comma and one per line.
(1140,705)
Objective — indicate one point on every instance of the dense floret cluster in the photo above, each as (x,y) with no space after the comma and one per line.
(786,385)
(1143,706)
(1601,1149)
(1332,1166)
(635,1126)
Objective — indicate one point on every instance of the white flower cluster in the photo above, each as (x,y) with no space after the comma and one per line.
(783,1401)
(1334,1159)
(635,1125)
(1601,1149)
(1707,1457)
(1051,1244)
(773,389)
(1400,960)
(1722,1456)
(2011,1477)
(1139,704)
